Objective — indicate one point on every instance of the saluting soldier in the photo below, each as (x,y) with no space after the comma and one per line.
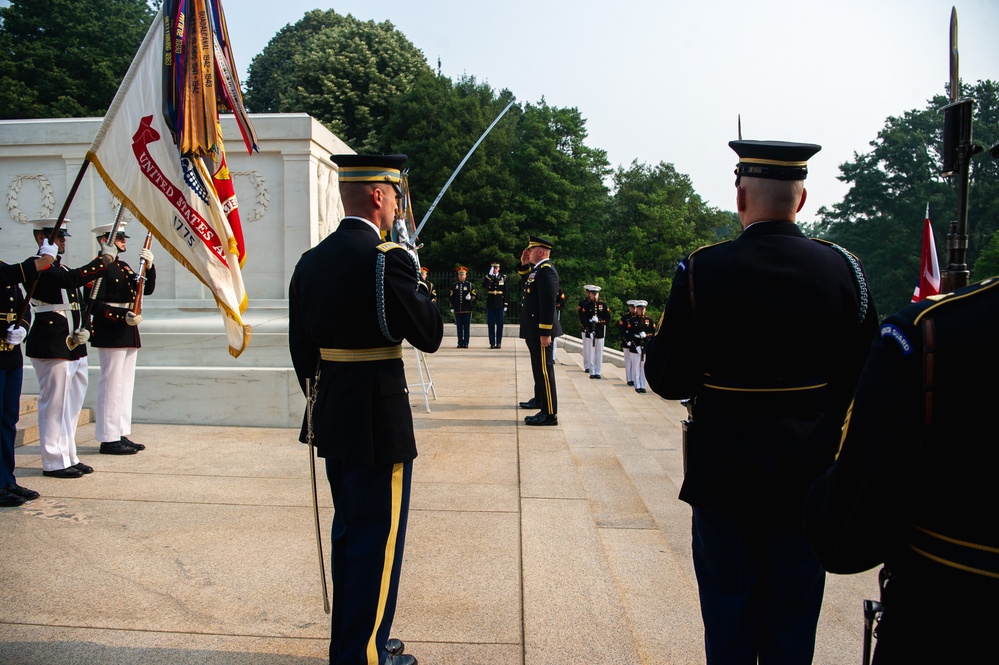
(497,300)
(362,421)
(539,327)
(461,299)
(622,328)
(767,333)
(594,315)
(913,486)
(57,347)
(116,338)
(12,365)
(639,330)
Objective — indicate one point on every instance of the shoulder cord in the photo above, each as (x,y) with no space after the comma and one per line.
(858,277)
(380,293)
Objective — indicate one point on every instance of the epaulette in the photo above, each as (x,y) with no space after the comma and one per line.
(386,246)
(932,304)
(863,291)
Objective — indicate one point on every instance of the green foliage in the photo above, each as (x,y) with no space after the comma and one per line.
(66,58)
(344,72)
(880,218)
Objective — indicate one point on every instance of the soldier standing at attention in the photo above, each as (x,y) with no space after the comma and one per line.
(594,315)
(362,421)
(767,333)
(622,327)
(640,329)
(913,486)
(424,273)
(539,326)
(57,347)
(461,298)
(116,338)
(497,300)
(12,365)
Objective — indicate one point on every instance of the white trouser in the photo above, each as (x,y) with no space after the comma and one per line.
(639,371)
(631,362)
(593,354)
(114,393)
(62,387)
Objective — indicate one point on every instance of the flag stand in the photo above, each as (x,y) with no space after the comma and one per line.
(426,383)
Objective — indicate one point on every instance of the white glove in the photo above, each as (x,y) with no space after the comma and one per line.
(642,334)
(468,297)
(452,311)
(16,335)
(593,319)
(81,336)
(48,249)
(108,253)
(147,256)
(504,309)
(133,319)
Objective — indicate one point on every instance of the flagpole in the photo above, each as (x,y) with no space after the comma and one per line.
(52,236)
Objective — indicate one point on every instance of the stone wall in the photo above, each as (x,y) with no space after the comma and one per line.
(288,201)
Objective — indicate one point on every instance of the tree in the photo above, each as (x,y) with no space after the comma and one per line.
(66,58)
(880,218)
(344,72)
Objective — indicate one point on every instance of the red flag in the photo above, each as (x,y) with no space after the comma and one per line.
(929,268)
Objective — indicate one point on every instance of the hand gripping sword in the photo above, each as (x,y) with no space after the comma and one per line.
(310,400)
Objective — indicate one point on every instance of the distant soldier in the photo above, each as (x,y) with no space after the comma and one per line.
(424,273)
(622,327)
(640,329)
(497,300)
(57,347)
(594,315)
(461,298)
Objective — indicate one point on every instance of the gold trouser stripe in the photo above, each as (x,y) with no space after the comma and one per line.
(389,562)
(361,355)
(548,381)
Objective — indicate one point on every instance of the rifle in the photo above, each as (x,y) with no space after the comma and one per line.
(957,153)
(140,278)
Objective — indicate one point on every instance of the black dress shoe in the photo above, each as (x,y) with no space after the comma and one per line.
(128,442)
(23,492)
(594,376)
(68,472)
(631,383)
(84,468)
(401,659)
(530,404)
(10,500)
(542,419)
(116,448)
(395,646)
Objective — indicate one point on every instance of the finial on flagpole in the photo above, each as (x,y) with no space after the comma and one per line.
(740,126)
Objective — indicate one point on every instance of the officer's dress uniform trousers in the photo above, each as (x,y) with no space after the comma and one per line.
(494,322)
(593,353)
(634,367)
(371,508)
(463,322)
(543,368)
(114,392)
(10,402)
(62,387)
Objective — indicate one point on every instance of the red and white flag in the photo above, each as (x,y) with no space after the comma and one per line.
(929,268)
(171,194)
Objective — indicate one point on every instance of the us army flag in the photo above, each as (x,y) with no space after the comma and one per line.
(172,195)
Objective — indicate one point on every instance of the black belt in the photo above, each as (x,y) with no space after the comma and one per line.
(771,386)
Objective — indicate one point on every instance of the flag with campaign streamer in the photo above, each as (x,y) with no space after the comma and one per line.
(929,268)
(160,150)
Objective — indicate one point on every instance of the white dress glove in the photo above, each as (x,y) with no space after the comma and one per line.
(642,334)
(146,256)
(81,336)
(108,253)
(48,249)
(16,335)
(468,297)
(133,319)
(593,319)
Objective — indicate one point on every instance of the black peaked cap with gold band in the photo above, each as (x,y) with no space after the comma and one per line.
(370,168)
(538,241)
(775,160)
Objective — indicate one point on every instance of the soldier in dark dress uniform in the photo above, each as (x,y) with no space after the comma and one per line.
(539,326)
(57,347)
(622,328)
(12,365)
(594,315)
(362,422)
(461,299)
(914,487)
(639,330)
(424,273)
(116,338)
(497,300)
(768,334)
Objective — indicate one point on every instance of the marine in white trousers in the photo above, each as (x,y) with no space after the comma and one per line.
(62,387)
(593,354)
(114,392)
(634,368)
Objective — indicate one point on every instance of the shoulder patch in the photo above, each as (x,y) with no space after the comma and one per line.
(892,331)
(386,246)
